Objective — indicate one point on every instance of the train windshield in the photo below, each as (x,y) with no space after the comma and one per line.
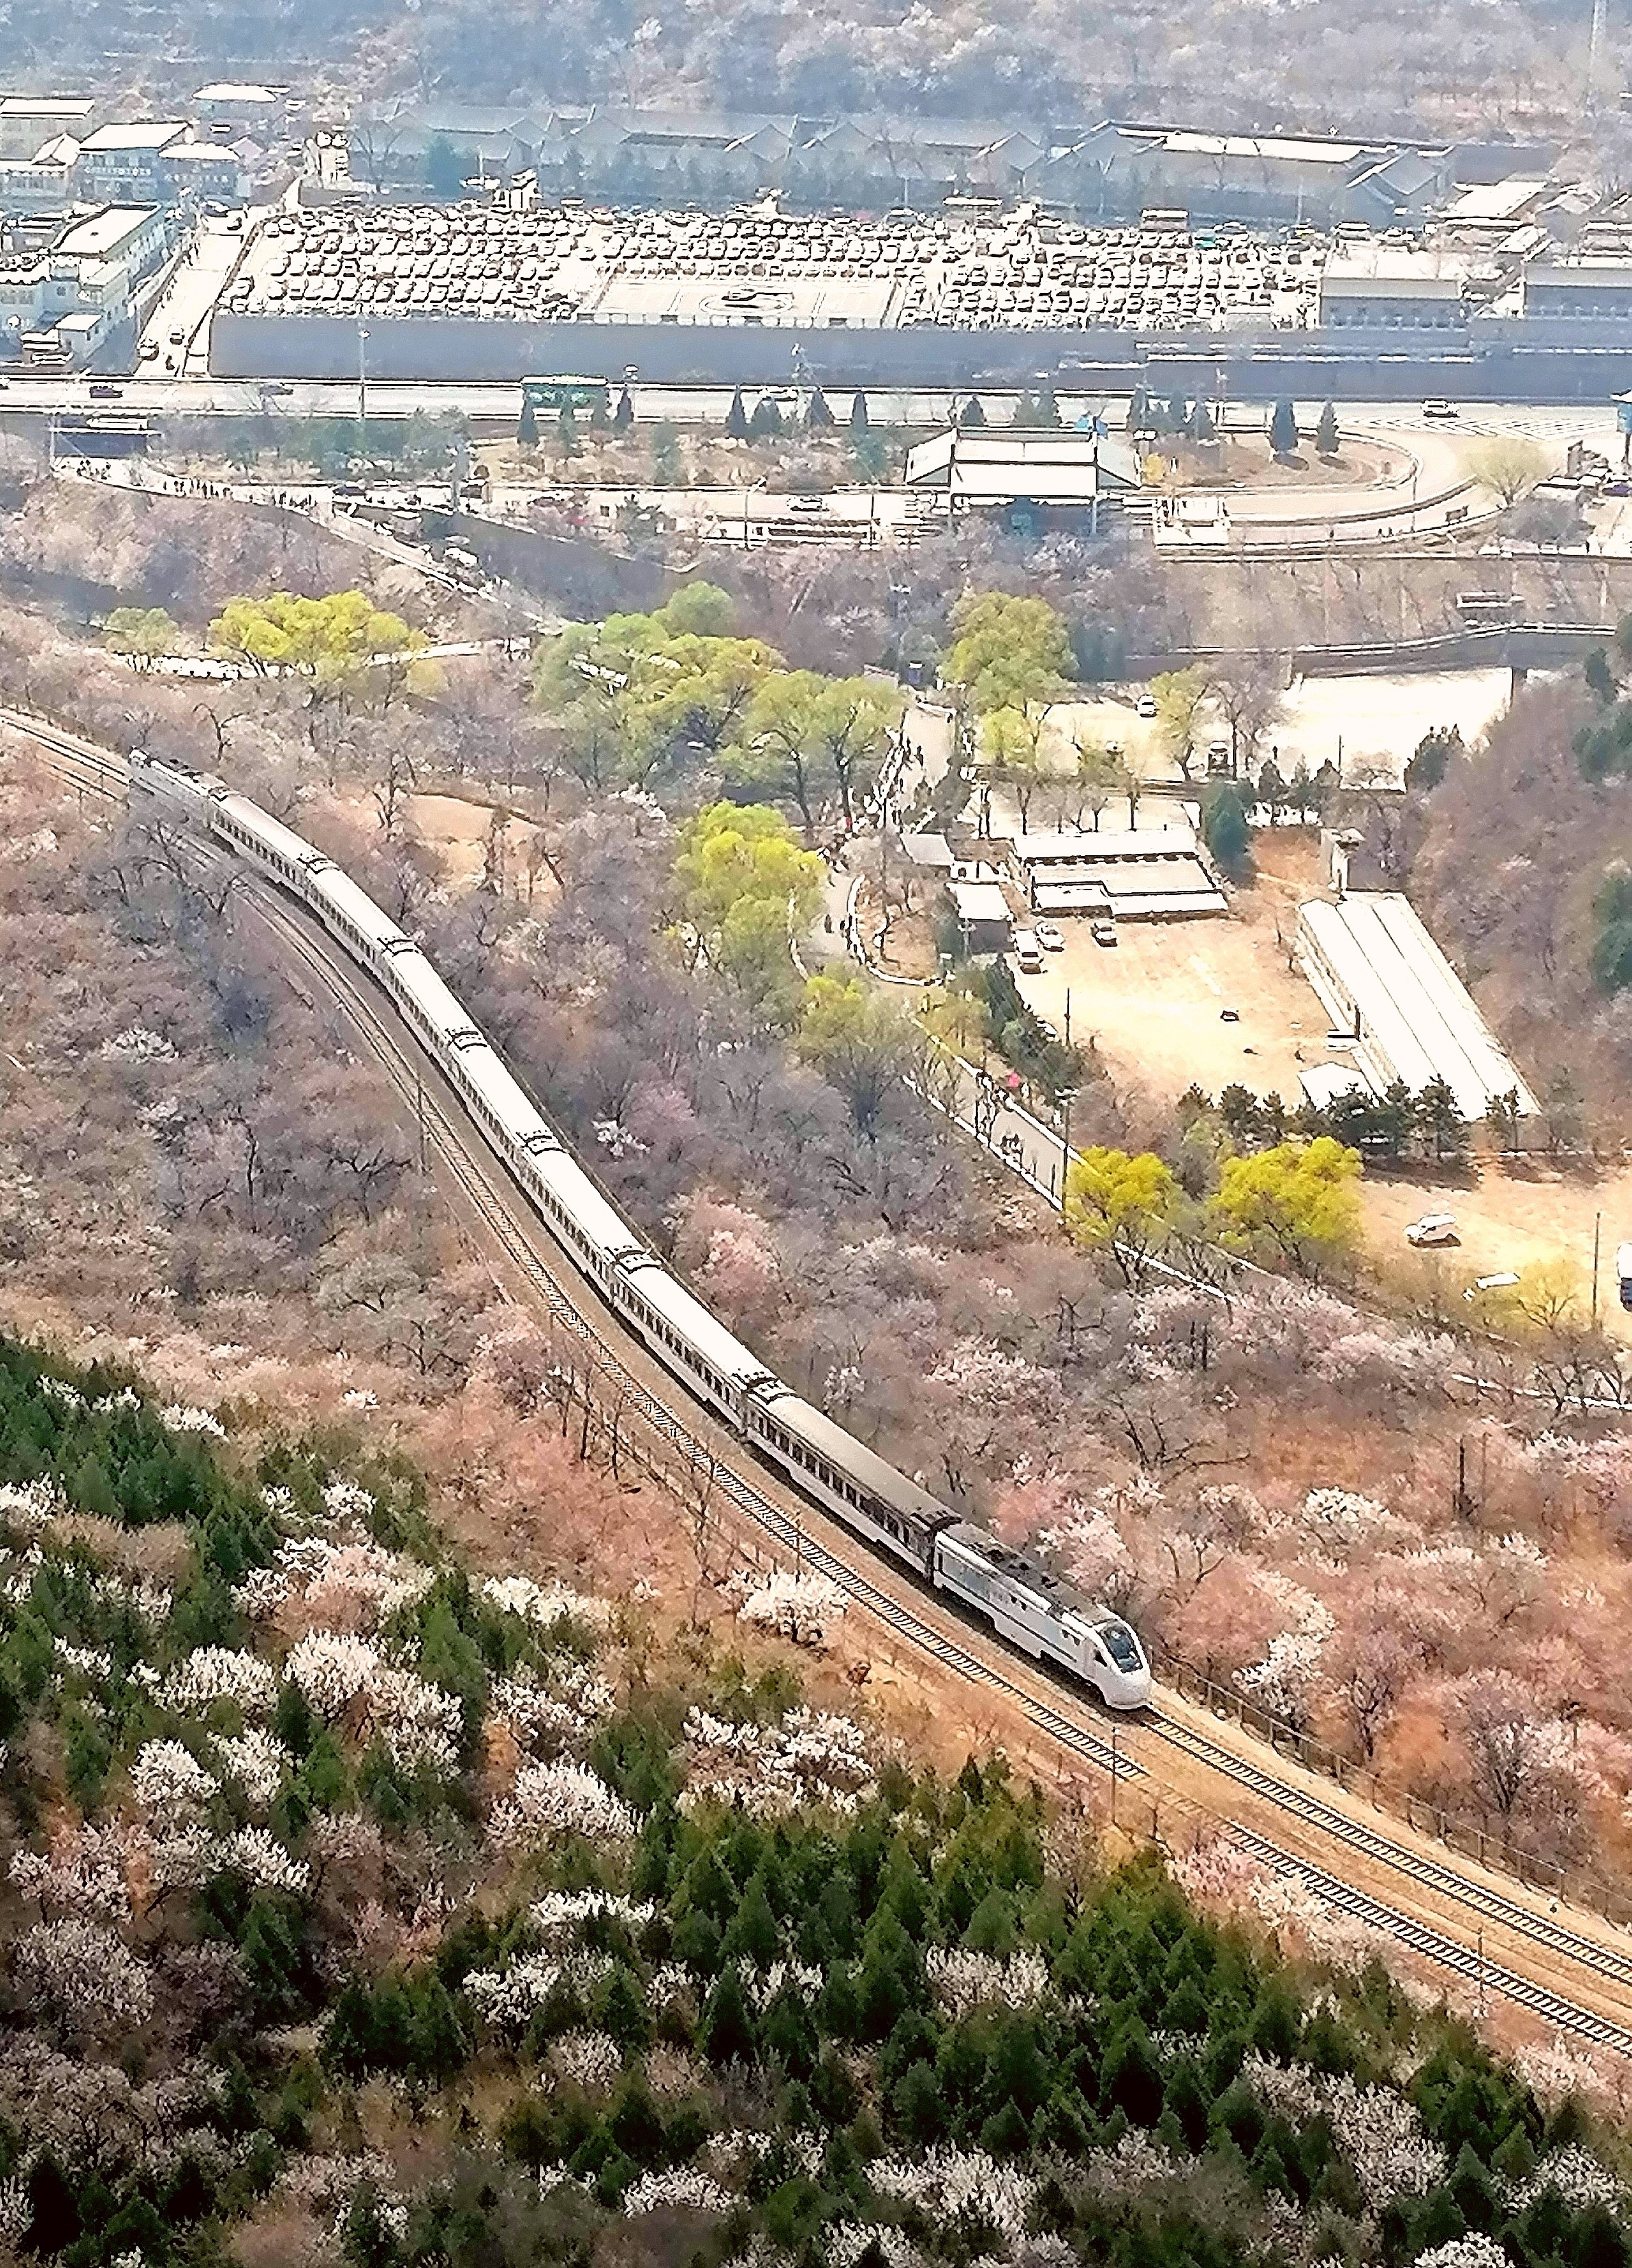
(1121,1644)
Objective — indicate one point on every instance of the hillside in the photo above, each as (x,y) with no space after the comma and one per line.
(362,1905)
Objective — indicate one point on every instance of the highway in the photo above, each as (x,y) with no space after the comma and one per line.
(1570,1969)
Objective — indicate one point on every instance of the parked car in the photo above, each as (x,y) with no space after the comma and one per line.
(1439,410)
(807,504)
(1432,1228)
(105,392)
(277,386)
(1051,937)
(1028,951)
(1104,933)
(1145,706)
(178,338)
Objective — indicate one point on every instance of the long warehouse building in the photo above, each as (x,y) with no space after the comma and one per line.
(1381,976)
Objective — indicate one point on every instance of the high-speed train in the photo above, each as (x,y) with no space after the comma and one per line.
(1033,1609)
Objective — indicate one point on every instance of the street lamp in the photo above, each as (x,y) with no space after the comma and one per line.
(361,385)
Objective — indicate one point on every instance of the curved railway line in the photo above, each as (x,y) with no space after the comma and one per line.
(1575,1974)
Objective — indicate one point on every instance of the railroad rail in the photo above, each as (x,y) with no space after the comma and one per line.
(510,1222)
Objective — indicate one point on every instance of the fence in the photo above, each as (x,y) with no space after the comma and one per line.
(1457,1832)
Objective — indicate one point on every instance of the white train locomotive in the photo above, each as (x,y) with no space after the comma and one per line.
(1036,1612)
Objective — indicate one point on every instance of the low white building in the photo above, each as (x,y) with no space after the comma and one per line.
(1388,988)
(1147,873)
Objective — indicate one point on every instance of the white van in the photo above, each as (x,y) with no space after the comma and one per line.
(1028,951)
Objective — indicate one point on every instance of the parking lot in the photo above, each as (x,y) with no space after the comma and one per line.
(1155,1002)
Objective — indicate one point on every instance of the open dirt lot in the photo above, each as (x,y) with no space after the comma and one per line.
(1153,1003)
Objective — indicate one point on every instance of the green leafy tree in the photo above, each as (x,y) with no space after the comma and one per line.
(1299,1201)
(1180,695)
(746,889)
(1428,766)
(1439,1121)
(444,168)
(144,633)
(860,1041)
(1224,830)
(1612,944)
(1126,1206)
(1007,651)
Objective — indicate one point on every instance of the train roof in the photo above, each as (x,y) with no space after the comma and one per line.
(485,1070)
(595,1214)
(863,1465)
(351,899)
(980,1543)
(281,840)
(446,1012)
(682,1308)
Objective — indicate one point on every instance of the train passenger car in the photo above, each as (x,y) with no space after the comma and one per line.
(441,1019)
(1042,1615)
(857,1485)
(586,1222)
(272,845)
(351,916)
(686,1338)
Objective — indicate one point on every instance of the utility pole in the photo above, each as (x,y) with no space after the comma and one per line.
(361,387)
(1593,54)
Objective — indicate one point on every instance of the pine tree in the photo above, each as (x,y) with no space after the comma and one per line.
(766,423)
(860,420)
(737,419)
(726,2035)
(972,417)
(623,416)
(818,416)
(1283,429)
(527,424)
(1325,432)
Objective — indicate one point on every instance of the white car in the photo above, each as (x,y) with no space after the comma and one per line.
(1432,1228)
(1050,937)
(1439,411)
(1145,705)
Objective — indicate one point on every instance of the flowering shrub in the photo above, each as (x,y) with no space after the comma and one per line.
(961,1980)
(220,1673)
(963,2186)
(802,1608)
(82,1975)
(168,1781)
(773,1770)
(560,1798)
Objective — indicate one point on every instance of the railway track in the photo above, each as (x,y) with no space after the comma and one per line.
(509,1222)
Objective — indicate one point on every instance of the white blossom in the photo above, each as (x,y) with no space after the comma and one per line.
(257,1761)
(168,1781)
(811,1757)
(508,1997)
(83,1873)
(84,1974)
(544,1604)
(846,2240)
(1378,2130)
(801,1607)
(676,2185)
(220,1673)
(1574,2175)
(1472,2250)
(561,1799)
(963,1980)
(182,1418)
(590,2060)
(256,1852)
(562,1914)
(959,2185)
